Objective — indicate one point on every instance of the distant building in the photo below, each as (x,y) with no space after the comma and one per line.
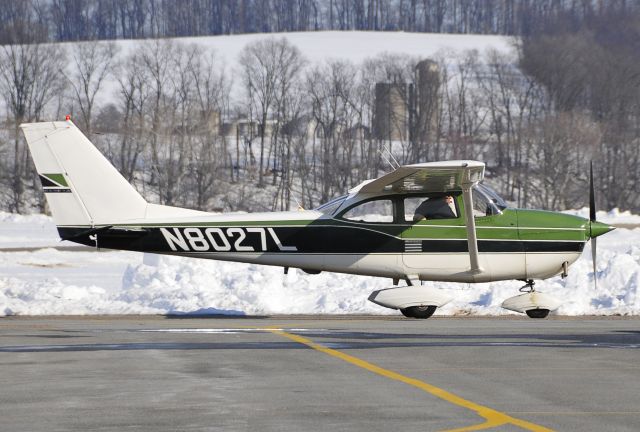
(205,123)
(246,128)
(391,113)
(424,103)
(358,132)
(243,127)
(300,126)
(408,111)
(211,122)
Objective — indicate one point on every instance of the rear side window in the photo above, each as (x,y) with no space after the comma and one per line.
(378,211)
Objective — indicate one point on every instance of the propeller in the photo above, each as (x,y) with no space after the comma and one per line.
(592,219)
(595,228)
(592,196)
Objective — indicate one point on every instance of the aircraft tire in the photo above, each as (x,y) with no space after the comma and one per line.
(420,312)
(407,312)
(538,313)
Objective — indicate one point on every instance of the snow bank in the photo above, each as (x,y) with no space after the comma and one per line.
(27,231)
(49,281)
(188,285)
(52,297)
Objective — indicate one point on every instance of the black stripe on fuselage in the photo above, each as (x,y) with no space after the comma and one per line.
(495,246)
(306,239)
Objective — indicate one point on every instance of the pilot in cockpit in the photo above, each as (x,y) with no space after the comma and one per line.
(438,207)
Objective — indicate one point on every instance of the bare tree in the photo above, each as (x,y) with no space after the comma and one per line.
(29,80)
(562,145)
(158,59)
(209,153)
(293,136)
(133,99)
(514,101)
(464,117)
(268,69)
(330,88)
(91,64)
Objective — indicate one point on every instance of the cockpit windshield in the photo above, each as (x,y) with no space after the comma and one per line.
(330,207)
(486,201)
(493,195)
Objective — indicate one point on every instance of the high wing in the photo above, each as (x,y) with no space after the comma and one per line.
(430,177)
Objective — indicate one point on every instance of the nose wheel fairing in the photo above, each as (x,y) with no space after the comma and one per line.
(535,304)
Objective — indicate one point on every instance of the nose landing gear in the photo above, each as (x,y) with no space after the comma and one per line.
(534,304)
(528,287)
(537,313)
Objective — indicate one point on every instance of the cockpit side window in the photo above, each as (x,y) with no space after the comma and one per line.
(376,211)
(440,206)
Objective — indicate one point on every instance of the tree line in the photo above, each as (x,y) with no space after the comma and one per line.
(27,21)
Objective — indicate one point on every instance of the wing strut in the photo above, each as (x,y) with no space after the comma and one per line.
(470,223)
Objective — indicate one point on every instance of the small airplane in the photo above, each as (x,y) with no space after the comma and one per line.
(431,221)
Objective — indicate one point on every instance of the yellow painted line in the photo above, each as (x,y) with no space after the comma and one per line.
(492,417)
(480,426)
(579,413)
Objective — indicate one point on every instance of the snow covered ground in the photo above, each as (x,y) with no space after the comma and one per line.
(48,281)
(353,46)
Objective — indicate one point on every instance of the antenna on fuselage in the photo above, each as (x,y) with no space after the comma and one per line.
(389,158)
(300,208)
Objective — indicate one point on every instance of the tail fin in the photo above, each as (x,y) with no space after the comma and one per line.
(81,185)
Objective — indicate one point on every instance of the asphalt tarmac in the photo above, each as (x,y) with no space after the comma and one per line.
(319,374)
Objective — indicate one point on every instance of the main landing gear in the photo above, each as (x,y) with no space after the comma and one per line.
(421,312)
(534,304)
(413,300)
